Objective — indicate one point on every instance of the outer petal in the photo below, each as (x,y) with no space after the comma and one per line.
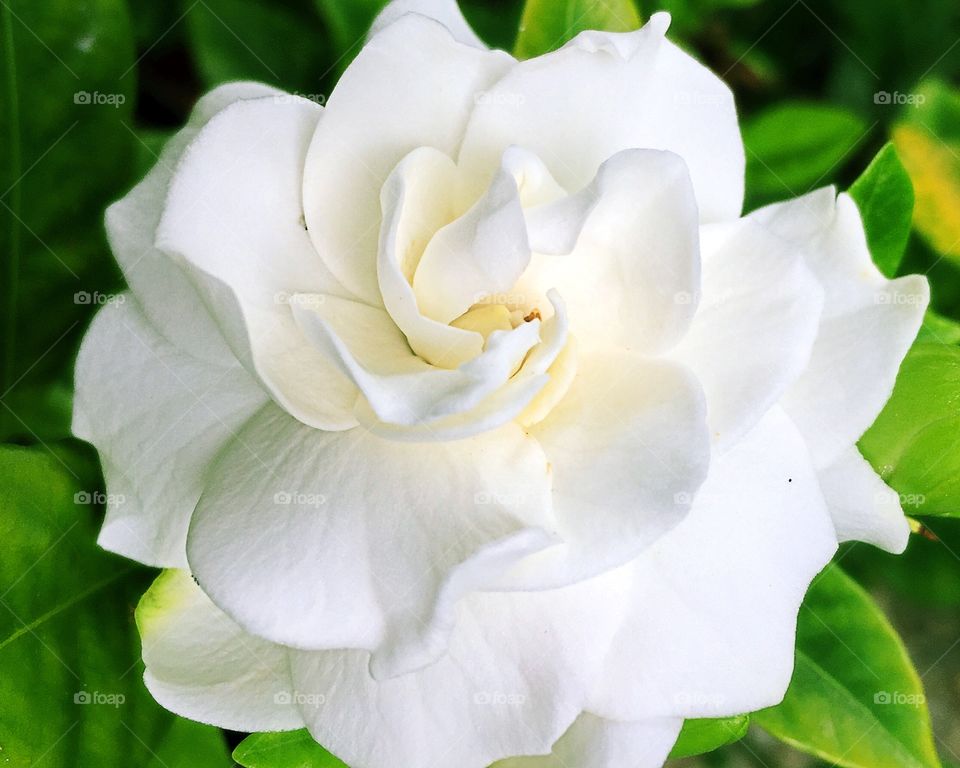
(166,295)
(863,507)
(628,447)
(447,12)
(158,417)
(392,99)
(623,252)
(592,742)
(603,93)
(203,666)
(755,327)
(234,218)
(330,540)
(868,322)
(711,622)
(514,679)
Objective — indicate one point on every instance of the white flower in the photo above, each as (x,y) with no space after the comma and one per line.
(483,422)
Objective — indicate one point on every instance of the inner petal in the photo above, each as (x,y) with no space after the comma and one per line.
(483,252)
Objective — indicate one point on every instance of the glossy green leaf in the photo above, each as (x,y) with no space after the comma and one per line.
(294,749)
(884,195)
(795,147)
(707,734)
(70,677)
(915,442)
(66,104)
(548,24)
(938,329)
(855,699)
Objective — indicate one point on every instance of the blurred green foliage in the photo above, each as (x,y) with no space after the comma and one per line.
(70,666)
(89,92)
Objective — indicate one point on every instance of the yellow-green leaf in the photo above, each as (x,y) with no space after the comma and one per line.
(855,699)
(548,24)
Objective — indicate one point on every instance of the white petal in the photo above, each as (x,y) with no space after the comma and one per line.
(711,623)
(592,742)
(632,278)
(400,387)
(234,218)
(506,403)
(157,417)
(863,507)
(515,677)
(167,297)
(603,93)
(755,326)
(447,12)
(869,322)
(392,99)
(417,200)
(330,540)
(201,665)
(480,254)
(628,446)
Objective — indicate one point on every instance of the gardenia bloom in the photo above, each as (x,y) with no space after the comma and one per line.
(469,416)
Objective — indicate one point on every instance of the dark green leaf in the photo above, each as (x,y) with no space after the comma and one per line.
(855,699)
(295,749)
(69,658)
(547,24)
(281,43)
(922,578)
(349,23)
(795,147)
(66,100)
(884,195)
(914,442)
(707,734)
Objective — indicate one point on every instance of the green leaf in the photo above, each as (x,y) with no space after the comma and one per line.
(705,735)
(914,442)
(349,23)
(294,749)
(281,43)
(855,699)
(795,147)
(66,92)
(70,679)
(938,329)
(884,195)
(548,24)
(922,578)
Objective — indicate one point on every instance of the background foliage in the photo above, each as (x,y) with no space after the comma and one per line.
(89,91)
